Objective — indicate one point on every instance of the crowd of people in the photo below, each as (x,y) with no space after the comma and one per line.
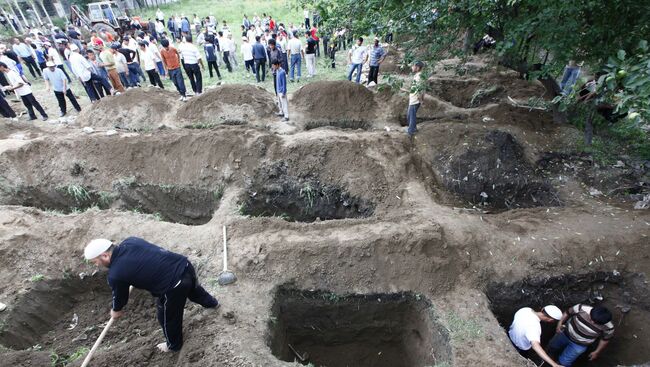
(178,49)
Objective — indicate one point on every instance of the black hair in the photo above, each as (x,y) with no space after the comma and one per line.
(600,315)
(275,62)
(3,65)
(89,51)
(361,39)
(307,33)
(164,42)
(220,33)
(271,42)
(188,38)
(257,38)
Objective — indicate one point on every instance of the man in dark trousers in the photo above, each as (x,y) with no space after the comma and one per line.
(167,275)
(259,57)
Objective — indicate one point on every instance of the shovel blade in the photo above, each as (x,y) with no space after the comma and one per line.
(226,278)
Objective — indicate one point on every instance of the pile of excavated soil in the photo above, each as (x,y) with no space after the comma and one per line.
(393,63)
(136,109)
(230,104)
(335,100)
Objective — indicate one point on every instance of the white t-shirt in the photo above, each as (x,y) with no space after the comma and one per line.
(294,45)
(306,14)
(120,63)
(190,53)
(55,56)
(80,66)
(250,34)
(358,54)
(526,328)
(247,51)
(147,59)
(14,79)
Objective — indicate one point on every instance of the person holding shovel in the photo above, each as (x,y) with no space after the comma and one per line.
(168,276)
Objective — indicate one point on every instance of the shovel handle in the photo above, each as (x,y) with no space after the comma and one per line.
(225,251)
(99,339)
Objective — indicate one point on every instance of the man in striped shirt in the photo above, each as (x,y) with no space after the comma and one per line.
(581,326)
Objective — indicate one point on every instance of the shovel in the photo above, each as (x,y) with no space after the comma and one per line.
(226,277)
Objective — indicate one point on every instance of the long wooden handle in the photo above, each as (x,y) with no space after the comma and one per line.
(225,251)
(99,340)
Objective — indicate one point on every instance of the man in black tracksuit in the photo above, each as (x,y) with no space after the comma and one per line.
(167,275)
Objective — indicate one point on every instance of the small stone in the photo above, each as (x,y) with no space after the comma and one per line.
(2,306)
(111,132)
(88,130)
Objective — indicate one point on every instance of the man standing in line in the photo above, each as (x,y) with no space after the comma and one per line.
(310,54)
(581,326)
(232,48)
(82,69)
(259,55)
(107,57)
(101,83)
(172,62)
(166,275)
(211,55)
(281,89)
(149,63)
(357,56)
(247,56)
(53,55)
(296,53)
(416,96)
(274,55)
(27,55)
(22,89)
(56,80)
(131,63)
(225,50)
(192,59)
(526,331)
(377,55)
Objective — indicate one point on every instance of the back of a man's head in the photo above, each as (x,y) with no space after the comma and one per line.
(601,315)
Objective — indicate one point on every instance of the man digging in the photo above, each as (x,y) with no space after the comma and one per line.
(167,275)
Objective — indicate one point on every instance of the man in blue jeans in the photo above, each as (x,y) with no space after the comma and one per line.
(357,56)
(172,63)
(525,332)
(416,96)
(580,326)
(296,54)
(259,57)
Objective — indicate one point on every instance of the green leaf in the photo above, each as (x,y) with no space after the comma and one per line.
(621,55)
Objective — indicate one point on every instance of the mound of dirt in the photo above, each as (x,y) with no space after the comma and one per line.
(335,100)
(136,109)
(490,169)
(393,63)
(230,104)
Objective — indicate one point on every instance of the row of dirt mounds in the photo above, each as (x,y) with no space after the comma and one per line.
(335,101)
(143,109)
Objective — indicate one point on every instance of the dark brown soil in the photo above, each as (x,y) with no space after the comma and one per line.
(230,104)
(381,330)
(335,100)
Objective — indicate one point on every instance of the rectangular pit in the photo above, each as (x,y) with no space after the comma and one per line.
(381,330)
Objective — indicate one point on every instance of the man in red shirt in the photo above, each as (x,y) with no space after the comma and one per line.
(313,31)
(271,24)
(172,64)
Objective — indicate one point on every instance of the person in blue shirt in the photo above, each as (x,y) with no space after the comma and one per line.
(259,58)
(166,275)
(211,54)
(40,57)
(281,87)
(185,27)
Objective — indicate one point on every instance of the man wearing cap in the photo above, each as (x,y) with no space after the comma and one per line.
(581,326)
(526,330)
(56,80)
(82,68)
(168,276)
(52,54)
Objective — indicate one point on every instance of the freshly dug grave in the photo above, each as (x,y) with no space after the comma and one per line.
(233,104)
(138,109)
(378,330)
(393,63)
(489,169)
(465,93)
(172,203)
(273,193)
(65,316)
(611,289)
(335,101)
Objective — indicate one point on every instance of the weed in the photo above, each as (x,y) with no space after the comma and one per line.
(463,329)
(309,194)
(157,216)
(331,297)
(105,199)
(217,193)
(55,359)
(80,352)
(481,93)
(37,278)
(273,320)
(77,192)
(125,182)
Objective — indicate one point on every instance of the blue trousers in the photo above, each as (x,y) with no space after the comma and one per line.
(161,69)
(177,78)
(355,66)
(133,74)
(569,78)
(411,117)
(567,349)
(295,62)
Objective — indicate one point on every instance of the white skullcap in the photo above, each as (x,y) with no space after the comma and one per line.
(96,247)
(553,311)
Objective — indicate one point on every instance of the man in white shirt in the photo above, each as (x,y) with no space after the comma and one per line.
(22,89)
(82,68)
(148,59)
(192,59)
(160,16)
(357,56)
(232,47)
(295,54)
(247,56)
(526,330)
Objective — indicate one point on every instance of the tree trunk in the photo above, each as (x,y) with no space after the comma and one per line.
(4,13)
(589,127)
(21,13)
(40,21)
(40,2)
(467,40)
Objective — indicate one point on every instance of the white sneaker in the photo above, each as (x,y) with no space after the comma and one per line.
(182,99)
